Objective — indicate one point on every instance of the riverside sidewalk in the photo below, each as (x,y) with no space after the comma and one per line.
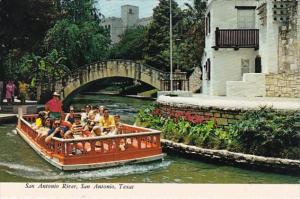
(7,118)
(233,103)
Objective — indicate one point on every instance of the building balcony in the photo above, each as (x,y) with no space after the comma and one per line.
(237,38)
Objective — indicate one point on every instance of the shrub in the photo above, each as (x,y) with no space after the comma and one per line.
(260,132)
(265,131)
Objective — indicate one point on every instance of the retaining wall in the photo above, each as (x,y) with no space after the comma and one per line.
(283,84)
(222,117)
(224,156)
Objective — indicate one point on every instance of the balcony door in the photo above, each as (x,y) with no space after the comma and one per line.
(246,18)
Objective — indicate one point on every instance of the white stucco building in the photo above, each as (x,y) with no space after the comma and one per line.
(129,18)
(242,45)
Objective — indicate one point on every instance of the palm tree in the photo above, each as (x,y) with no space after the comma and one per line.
(55,67)
(194,26)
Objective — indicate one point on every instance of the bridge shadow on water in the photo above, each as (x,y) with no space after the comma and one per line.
(119,86)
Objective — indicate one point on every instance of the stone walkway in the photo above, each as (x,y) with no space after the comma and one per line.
(233,103)
(7,118)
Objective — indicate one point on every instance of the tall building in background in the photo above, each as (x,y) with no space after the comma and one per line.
(129,18)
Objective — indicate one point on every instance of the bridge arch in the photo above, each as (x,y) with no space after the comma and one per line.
(110,68)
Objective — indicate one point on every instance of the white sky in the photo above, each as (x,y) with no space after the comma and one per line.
(113,7)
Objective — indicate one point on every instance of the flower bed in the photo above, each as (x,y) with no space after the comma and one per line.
(264,132)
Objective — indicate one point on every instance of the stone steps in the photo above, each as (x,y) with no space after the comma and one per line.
(253,85)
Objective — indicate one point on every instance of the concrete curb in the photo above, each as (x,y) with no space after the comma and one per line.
(228,103)
(239,159)
(11,118)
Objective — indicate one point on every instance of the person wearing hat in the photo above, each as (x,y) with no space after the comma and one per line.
(54,106)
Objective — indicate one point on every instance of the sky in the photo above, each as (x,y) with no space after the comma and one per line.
(112,8)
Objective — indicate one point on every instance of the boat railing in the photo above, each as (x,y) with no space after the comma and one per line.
(134,143)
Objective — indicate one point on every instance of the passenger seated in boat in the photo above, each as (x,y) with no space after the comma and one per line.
(118,125)
(70,116)
(101,110)
(56,131)
(92,115)
(75,149)
(77,128)
(106,124)
(39,120)
(89,126)
(84,115)
(97,113)
(43,131)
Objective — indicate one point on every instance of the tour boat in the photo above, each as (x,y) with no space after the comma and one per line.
(133,145)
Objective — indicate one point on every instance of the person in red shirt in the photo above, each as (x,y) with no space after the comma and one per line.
(54,106)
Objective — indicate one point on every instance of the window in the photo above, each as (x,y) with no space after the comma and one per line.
(207,69)
(246,18)
(207,24)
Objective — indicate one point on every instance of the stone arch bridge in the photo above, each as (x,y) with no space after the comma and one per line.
(70,84)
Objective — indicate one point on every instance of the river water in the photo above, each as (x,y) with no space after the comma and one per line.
(19,163)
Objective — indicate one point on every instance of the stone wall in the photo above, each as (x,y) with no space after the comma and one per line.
(283,84)
(289,43)
(194,80)
(232,158)
(222,117)
(110,68)
(287,82)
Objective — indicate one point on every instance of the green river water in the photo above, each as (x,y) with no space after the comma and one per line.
(19,163)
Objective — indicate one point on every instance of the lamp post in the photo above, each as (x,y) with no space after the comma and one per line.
(171,49)
(177,49)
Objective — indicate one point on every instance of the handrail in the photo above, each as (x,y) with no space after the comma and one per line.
(153,132)
(104,137)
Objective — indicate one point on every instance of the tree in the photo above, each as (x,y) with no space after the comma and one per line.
(157,38)
(130,45)
(79,11)
(79,43)
(193,36)
(23,26)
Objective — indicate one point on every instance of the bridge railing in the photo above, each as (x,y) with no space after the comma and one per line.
(77,73)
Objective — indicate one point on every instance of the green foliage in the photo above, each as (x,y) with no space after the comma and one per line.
(77,37)
(23,25)
(31,68)
(79,43)
(79,11)
(193,34)
(157,37)
(130,45)
(146,118)
(265,131)
(204,135)
(188,36)
(260,132)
